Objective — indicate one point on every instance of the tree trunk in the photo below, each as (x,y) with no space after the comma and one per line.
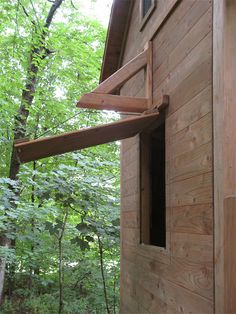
(61,273)
(22,116)
(103,275)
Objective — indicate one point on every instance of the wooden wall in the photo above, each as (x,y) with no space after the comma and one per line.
(224,113)
(180,278)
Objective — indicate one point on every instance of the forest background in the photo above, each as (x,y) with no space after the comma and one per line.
(59,217)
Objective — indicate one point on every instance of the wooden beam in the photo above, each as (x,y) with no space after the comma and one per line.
(149,71)
(224,136)
(84,138)
(123,74)
(113,102)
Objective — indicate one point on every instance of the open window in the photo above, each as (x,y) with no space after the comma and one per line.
(146,9)
(153,185)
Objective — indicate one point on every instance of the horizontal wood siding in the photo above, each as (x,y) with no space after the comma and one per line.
(179,279)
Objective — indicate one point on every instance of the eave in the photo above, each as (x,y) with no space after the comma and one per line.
(116,36)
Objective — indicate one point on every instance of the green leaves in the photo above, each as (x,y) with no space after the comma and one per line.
(83,244)
(83,185)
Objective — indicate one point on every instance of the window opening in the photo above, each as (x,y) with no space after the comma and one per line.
(146,6)
(146,9)
(153,197)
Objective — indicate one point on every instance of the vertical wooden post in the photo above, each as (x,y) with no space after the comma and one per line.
(224,113)
(149,73)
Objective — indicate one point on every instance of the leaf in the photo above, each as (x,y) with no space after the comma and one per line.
(84,245)
(82,227)
(89,239)
(116,222)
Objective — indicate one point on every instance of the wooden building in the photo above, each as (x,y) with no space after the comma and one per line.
(178,170)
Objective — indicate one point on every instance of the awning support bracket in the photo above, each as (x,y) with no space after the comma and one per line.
(102,98)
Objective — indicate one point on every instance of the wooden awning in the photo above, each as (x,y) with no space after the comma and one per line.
(68,142)
(101,98)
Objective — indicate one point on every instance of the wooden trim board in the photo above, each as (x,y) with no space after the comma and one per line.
(224,113)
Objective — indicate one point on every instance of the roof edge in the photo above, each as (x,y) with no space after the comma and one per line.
(116,37)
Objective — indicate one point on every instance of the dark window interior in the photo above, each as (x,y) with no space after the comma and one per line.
(158,201)
(153,187)
(146,6)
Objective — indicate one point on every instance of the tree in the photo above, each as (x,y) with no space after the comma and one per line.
(38,51)
(44,72)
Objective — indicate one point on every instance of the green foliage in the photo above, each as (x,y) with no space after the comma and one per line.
(71,199)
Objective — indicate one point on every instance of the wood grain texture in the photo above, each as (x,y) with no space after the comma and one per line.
(180,279)
(84,138)
(192,275)
(136,40)
(224,111)
(194,247)
(130,219)
(130,202)
(190,164)
(130,186)
(185,47)
(191,112)
(230,253)
(149,73)
(195,190)
(188,76)
(117,79)
(177,299)
(113,102)
(192,219)
(180,24)
(191,138)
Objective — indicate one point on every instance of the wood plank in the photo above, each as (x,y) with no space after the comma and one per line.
(192,275)
(193,219)
(185,47)
(196,190)
(149,72)
(162,255)
(194,247)
(190,164)
(130,142)
(113,102)
(224,112)
(84,138)
(135,87)
(189,65)
(187,88)
(190,138)
(136,39)
(159,19)
(130,202)
(130,186)
(191,112)
(219,7)
(177,298)
(131,169)
(123,74)
(130,219)
(186,15)
(131,236)
(131,154)
(230,252)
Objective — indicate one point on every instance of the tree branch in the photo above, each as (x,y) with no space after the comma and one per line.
(26,13)
(52,11)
